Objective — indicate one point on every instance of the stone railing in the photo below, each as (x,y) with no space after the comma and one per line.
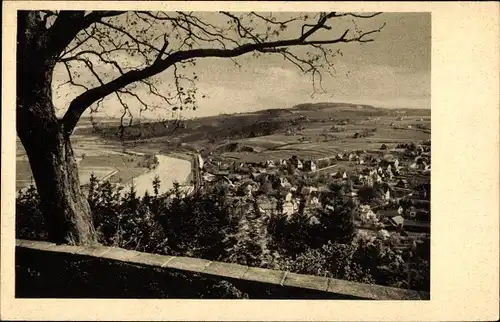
(257,282)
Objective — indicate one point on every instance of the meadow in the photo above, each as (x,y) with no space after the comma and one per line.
(94,157)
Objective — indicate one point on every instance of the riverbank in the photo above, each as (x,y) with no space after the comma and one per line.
(169,170)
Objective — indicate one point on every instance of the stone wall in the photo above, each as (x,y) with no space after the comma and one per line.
(60,271)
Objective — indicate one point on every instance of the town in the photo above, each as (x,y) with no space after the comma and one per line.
(391,186)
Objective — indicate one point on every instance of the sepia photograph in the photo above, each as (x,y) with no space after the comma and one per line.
(257,154)
(214,155)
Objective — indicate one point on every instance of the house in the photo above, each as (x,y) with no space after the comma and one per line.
(400,210)
(248,189)
(309,165)
(364,208)
(387,195)
(315,201)
(209,177)
(253,164)
(288,197)
(290,208)
(366,215)
(402,183)
(344,175)
(270,164)
(267,207)
(283,182)
(323,189)
(369,181)
(243,169)
(255,175)
(300,165)
(234,176)
(396,163)
(412,212)
(308,190)
(397,221)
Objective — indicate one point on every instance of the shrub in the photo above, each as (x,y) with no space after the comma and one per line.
(210,225)
(197,225)
(366,194)
(30,223)
(248,245)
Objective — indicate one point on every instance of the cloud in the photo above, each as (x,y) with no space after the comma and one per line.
(278,85)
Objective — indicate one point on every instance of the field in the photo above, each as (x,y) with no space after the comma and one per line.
(93,156)
(309,131)
(318,142)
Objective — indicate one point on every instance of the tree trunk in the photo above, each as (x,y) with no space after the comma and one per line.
(65,209)
(47,144)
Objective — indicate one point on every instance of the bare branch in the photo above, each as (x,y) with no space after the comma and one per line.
(188,30)
(163,48)
(71,81)
(137,41)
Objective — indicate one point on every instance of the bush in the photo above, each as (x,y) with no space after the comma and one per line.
(149,161)
(197,225)
(366,194)
(30,223)
(210,225)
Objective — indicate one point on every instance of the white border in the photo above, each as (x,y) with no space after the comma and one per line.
(465,194)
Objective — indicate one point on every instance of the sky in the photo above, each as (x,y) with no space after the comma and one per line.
(394,71)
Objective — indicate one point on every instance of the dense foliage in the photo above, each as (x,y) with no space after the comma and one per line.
(209,224)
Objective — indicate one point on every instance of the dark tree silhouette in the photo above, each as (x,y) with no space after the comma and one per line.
(97,49)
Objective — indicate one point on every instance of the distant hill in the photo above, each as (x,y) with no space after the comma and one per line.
(229,127)
(340,106)
(330,105)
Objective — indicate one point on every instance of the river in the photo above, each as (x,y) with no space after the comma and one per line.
(169,170)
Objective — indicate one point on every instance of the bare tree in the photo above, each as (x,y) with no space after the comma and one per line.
(119,53)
